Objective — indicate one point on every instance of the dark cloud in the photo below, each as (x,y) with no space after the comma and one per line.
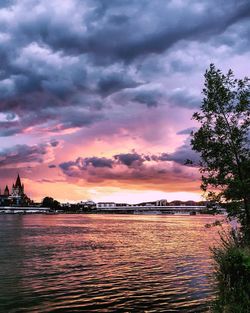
(148,97)
(78,118)
(186,131)
(136,165)
(183,98)
(65,166)
(52,120)
(54,143)
(84,163)
(115,82)
(99,162)
(130,167)
(81,164)
(184,153)
(6,3)
(60,62)
(52,166)
(164,28)
(163,157)
(23,155)
(9,128)
(129,159)
(118,19)
(180,155)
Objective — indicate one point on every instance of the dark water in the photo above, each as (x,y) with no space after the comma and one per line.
(105,263)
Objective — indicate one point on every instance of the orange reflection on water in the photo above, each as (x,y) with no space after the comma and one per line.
(109,262)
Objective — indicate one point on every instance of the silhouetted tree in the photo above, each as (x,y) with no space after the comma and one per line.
(223,142)
(50,203)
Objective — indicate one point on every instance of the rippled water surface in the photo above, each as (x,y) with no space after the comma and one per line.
(105,263)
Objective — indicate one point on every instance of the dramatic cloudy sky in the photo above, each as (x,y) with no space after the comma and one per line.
(96,96)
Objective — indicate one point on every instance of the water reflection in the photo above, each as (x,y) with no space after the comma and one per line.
(105,263)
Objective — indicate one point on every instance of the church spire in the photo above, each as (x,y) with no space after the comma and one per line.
(6,191)
(18,182)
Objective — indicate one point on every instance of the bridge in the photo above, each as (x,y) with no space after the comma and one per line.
(20,209)
(188,209)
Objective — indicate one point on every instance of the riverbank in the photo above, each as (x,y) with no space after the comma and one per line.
(232,272)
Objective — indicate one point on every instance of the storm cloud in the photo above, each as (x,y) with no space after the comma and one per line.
(25,155)
(71,54)
(117,81)
(130,165)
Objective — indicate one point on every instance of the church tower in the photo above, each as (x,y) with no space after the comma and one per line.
(18,182)
(18,188)
(6,191)
(17,194)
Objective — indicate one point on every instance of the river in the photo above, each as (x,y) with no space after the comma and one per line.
(106,263)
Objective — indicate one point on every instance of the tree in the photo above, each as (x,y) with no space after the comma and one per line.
(223,142)
(50,203)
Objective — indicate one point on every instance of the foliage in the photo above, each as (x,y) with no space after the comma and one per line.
(232,274)
(50,203)
(223,142)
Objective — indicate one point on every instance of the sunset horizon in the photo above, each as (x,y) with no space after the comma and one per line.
(84,118)
(125,156)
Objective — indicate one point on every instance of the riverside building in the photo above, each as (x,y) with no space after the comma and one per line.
(16,196)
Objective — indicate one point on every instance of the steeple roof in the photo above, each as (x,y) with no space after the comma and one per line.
(6,191)
(18,182)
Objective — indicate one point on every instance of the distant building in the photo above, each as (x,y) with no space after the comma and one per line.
(89,204)
(100,205)
(17,195)
(177,203)
(122,205)
(6,192)
(162,202)
(4,198)
(17,188)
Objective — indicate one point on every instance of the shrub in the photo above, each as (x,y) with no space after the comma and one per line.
(232,273)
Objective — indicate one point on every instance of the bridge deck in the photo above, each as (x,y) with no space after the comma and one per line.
(154,208)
